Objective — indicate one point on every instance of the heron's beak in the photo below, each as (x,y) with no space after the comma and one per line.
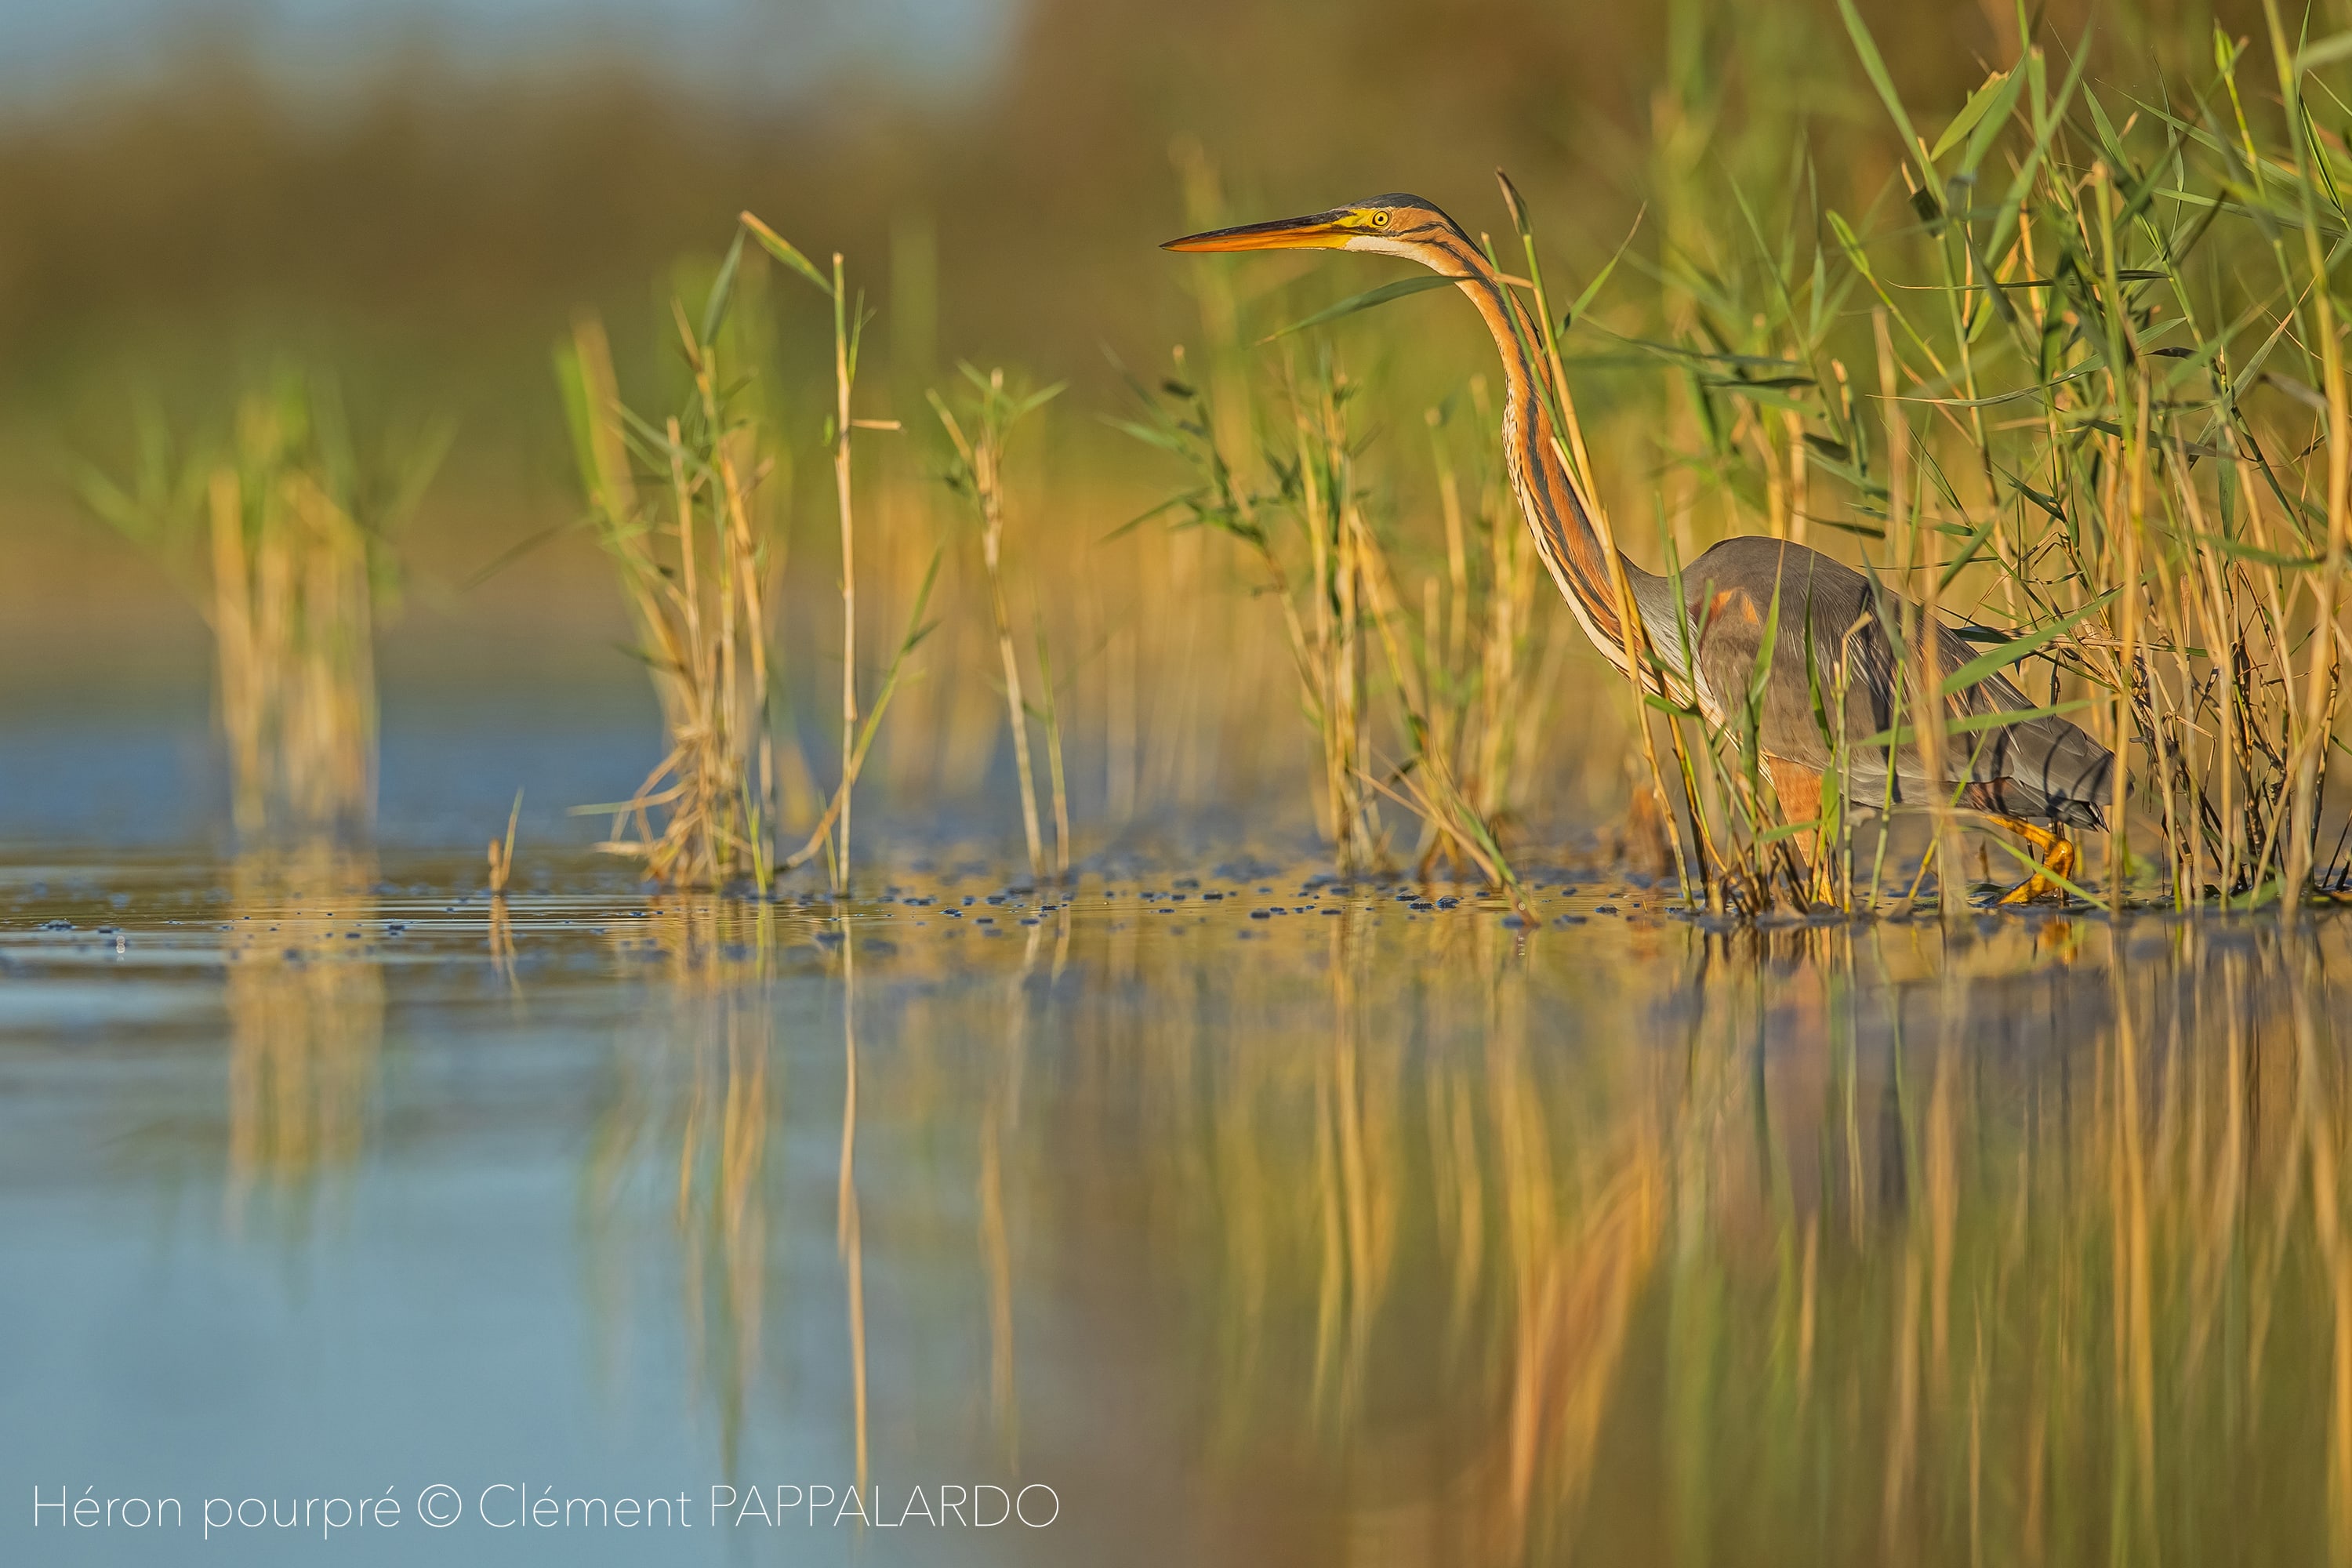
(1318,231)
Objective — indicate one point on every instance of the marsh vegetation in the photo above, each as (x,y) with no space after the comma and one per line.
(1129,941)
(2064,380)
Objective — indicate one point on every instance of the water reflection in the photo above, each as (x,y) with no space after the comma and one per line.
(1382,1234)
(305,1008)
(696,1097)
(848,1234)
(1856,1244)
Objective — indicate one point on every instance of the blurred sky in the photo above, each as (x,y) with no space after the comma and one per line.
(51,50)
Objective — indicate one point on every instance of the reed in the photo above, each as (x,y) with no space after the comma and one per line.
(850,318)
(2111,451)
(1304,533)
(685,511)
(1310,535)
(673,503)
(2096,429)
(501,851)
(977,473)
(1049,714)
(501,857)
(1492,672)
(2175,610)
(280,536)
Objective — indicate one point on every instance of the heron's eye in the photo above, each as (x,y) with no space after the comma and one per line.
(1379,220)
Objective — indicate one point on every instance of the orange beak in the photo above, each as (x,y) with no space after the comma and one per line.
(1316,231)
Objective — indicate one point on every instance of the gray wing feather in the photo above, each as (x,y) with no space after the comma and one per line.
(1830,628)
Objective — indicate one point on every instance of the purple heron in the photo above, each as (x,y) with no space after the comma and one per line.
(2037,776)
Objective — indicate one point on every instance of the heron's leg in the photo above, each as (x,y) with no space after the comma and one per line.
(2057,855)
(1799,791)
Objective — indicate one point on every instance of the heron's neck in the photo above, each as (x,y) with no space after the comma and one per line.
(1564,534)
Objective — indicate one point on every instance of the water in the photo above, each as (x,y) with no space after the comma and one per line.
(1259,1221)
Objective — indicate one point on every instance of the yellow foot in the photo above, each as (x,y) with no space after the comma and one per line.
(2025,892)
(2057,856)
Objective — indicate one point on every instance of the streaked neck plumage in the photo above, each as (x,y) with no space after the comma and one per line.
(1571,547)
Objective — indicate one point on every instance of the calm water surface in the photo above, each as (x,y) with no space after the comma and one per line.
(1236,1217)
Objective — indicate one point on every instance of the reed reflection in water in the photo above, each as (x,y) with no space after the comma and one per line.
(1444,1243)
(305,1009)
(697,1093)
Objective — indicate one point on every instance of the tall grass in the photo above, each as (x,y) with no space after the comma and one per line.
(1304,535)
(673,505)
(1484,705)
(978,473)
(1443,672)
(280,536)
(2108,447)
(850,318)
(686,512)
(2131,353)
(2066,384)
(2069,386)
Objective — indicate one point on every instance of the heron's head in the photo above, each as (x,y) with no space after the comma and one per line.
(1393,225)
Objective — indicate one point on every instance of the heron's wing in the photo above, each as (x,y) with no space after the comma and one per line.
(2040,767)
(1828,636)
(1774,652)
(2045,767)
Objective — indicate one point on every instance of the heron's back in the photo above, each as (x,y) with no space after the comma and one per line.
(1831,633)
